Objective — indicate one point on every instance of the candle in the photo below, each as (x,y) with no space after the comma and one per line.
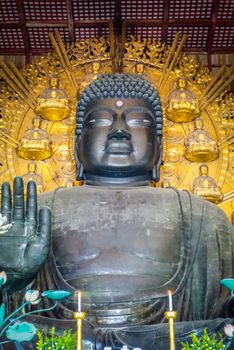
(79,301)
(170,301)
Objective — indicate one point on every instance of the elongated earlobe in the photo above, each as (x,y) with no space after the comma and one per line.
(155,175)
(79,165)
(80,172)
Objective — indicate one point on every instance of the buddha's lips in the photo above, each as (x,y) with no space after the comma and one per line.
(118,147)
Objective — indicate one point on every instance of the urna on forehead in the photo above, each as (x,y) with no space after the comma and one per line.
(128,86)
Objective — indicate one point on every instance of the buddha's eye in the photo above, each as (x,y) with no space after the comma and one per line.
(103,119)
(138,120)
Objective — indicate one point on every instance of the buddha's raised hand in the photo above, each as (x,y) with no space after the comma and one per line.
(24,239)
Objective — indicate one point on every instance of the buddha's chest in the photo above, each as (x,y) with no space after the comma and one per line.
(115,232)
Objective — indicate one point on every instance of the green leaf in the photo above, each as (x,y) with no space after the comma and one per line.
(56,294)
(2,313)
(21,332)
(228,283)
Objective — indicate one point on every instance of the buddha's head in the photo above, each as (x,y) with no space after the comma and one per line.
(198,124)
(203,170)
(32,167)
(182,83)
(54,82)
(119,131)
(36,122)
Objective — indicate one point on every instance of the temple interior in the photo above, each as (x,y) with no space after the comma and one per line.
(71,71)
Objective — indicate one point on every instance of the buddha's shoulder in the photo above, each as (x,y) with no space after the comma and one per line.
(165,197)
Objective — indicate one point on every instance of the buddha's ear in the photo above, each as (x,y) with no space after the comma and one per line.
(79,165)
(155,175)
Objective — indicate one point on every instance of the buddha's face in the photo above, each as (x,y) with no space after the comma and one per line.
(118,139)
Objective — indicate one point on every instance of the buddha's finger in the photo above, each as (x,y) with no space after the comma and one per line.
(18,200)
(44,228)
(6,205)
(31,204)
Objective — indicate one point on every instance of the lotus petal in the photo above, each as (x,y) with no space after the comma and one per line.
(229,330)
(228,283)
(56,294)
(3,278)
(32,296)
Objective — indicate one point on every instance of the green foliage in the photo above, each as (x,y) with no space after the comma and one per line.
(66,341)
(205,342)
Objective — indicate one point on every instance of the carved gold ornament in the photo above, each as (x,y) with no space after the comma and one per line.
(200,147)
(182,105)
(35,144)
(53,104)
(49,141)
(206,187)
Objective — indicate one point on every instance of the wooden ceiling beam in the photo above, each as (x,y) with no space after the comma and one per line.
(173,22)
(9,24)
(211,31)
(12,52)
(136,22)
(118,19)
(165,20)
(94,24)
(70,19)
(45,24)
(22,20)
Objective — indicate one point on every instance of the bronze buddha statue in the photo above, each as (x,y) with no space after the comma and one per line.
(120,242)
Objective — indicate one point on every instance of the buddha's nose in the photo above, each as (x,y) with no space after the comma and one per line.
(119,134)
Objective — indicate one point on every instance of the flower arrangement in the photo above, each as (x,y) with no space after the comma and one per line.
(214,342)
(66,341)
(11,327)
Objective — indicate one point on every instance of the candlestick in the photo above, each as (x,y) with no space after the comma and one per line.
(79,301)
(79,317)
(170,301)
(171,315)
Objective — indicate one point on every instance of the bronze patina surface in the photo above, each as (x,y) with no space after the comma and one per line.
(120,242)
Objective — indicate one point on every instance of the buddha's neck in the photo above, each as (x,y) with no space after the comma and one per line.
(96,180)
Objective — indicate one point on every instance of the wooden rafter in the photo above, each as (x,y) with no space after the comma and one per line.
(20,6)
(70,18)
(211,31)
(82,15)
(165,20)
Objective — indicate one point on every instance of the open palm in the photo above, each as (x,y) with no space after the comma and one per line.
(24,237)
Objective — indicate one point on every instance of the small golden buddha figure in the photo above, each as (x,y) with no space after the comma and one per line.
(206,187)
(32,175)
(89,77)
(139,68)
(53,104)
(35,144)
(69,183)
(182,105)
(200,145)
(165,183)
